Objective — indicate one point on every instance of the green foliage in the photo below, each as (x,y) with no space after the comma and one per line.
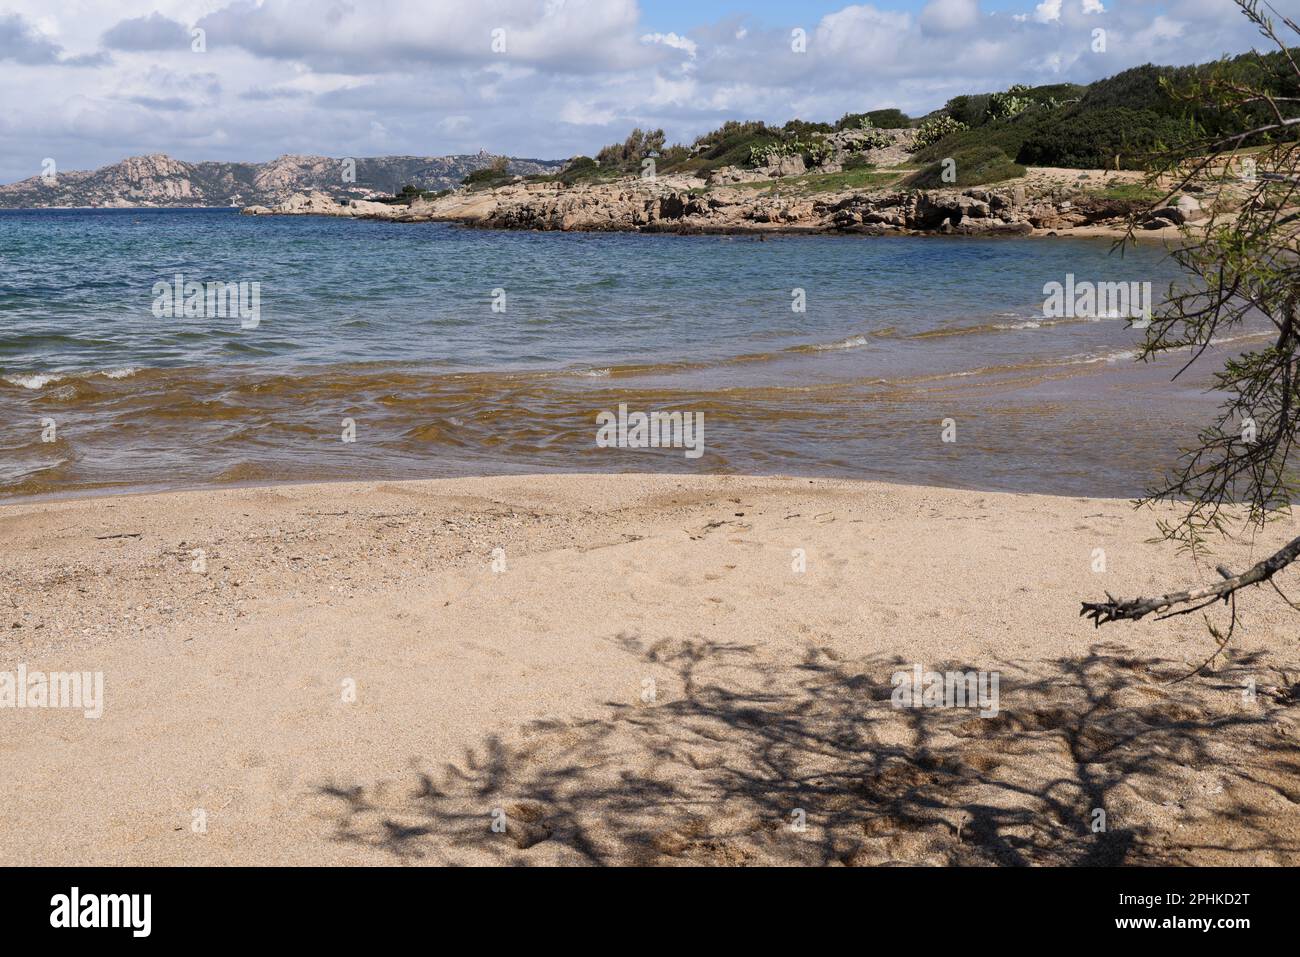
(1089,132)
(866,177)
(628,155)
(1139,88)
(798,129)
(1003,106)
(1061,124)
(932,131)
(969,110)
(1006,136)
(874,140)
(1054,94)
(494,174)
(732,144)
(584,169)
(890,119)
(1093,139)
(410,193)
(1239,275)
(975,166)
(814,151)
(673,155)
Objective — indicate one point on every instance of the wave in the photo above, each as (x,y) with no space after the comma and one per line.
(1024,322)
(853,342)
(36,381)
(33,381)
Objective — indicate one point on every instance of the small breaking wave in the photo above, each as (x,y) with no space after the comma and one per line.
(33,381)
(852,342)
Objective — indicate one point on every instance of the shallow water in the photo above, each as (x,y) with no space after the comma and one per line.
(393,328)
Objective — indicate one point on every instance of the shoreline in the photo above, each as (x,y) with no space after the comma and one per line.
(1077,232)
(393,213)
(1044,202)
(643,677)
(290,484)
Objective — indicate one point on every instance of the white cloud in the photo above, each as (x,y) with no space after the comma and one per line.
(586,114)
(419,76)
(1049,11)
(672,40)
(948,16)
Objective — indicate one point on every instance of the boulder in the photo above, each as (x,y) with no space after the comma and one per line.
(785,166)
(1191,209)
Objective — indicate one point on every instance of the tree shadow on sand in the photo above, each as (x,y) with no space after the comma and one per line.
(1096,760)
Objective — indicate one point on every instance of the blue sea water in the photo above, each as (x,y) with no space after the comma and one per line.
(460,351)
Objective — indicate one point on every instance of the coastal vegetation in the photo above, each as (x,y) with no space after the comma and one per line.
(1239,474)
(857,177)
(410,193)
(1119,122)
(971,166)
(496,173)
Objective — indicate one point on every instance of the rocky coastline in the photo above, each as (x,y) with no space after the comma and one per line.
(1039,206)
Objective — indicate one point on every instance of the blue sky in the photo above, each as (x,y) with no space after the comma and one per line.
(90,82)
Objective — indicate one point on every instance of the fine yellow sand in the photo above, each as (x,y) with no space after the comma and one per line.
(648,679)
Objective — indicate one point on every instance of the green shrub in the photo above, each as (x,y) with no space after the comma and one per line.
(800,129)
(1003,106)
(583,169)
(1092,139)
(875,140)
(1006,135)
(975,166)
(890,119)
(628,155)
(732,144)
(932,131)
(1054,94)
(814,151)
(409,194)
(494,174)
(971,110)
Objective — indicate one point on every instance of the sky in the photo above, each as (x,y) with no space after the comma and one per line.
(88,83)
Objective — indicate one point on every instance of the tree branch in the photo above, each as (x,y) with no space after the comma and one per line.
(1135,608)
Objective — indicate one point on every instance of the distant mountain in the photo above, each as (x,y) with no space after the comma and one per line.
(159,180)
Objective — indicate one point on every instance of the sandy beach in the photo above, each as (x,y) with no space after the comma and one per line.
(350,674)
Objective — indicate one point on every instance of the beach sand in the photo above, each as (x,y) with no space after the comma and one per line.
(648,679)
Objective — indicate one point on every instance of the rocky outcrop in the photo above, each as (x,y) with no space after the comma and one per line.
(687,204)
(1186,210)
(317,203)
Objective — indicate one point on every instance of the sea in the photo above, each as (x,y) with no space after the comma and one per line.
(363,350)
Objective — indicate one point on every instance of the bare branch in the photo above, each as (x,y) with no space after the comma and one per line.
(1136,608)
